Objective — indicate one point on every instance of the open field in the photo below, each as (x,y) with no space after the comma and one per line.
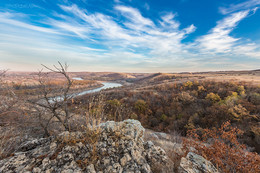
(252,77)
(29,78)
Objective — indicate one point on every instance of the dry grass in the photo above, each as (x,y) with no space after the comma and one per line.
(87,131)
(9,140)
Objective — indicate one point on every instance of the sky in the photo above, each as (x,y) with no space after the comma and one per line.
(130,35)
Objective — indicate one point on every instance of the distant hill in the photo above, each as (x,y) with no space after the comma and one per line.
(119,76)
(156,77)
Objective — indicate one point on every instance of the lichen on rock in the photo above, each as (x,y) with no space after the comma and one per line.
(115,147)
(194,163)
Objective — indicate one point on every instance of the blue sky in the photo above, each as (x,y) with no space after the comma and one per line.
(130,35)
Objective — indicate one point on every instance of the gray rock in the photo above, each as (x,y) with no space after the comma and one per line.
(119,148)
(194,163)
(126,158)
(29,145)
(91,169)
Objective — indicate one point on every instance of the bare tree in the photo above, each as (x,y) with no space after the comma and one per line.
(9,117)
(2,73)
(49,106)
(8,97)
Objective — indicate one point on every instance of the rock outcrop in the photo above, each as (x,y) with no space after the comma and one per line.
(110,147)
(194,163)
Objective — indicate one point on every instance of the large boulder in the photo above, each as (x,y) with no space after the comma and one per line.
(194,163)
(109,147)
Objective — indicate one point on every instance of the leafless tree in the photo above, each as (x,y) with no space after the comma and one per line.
(8,97)
(49,106)
(9,114)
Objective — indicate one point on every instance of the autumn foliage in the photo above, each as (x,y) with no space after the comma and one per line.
(221,147)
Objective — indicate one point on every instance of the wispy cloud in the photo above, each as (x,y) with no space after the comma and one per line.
(219,39)
(219,44)
(249,4)
(78,30)
(168,19)
(96,23)
(137,30)
(7,19)
(123,38)
(250,50)
(134,15)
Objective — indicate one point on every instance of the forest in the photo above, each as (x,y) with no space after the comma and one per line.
(190,105)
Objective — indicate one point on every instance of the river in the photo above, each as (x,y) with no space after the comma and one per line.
(106,85)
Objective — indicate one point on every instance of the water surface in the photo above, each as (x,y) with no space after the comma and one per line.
(106,85)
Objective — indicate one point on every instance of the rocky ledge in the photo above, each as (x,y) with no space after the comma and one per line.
(109,147)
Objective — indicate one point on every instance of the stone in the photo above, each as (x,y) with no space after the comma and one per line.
(91,169)
(31,144)
(194,163)
(119,148)
(125,159)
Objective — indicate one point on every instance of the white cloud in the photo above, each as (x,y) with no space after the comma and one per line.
(134,15)
(7,19)
(97,23)
(78,30)
(218,39)
(168,20)
(255,9)
(91,49)
(219,42)
(126,40)
(136,32)
(190,29)
(249,4)
(250,50)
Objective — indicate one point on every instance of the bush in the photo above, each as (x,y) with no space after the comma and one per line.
(188,84)
(185,98)
(241,90)
(254,98)
(221,147)
(140,106)
(213,97)
(164,117)
(238,112)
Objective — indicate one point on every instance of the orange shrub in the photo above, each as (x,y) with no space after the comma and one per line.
(221,147)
